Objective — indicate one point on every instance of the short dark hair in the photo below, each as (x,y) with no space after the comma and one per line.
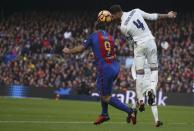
(101,25)
(115,9)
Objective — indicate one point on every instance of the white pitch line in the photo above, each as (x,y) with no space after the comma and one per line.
(48,122)
(87,122)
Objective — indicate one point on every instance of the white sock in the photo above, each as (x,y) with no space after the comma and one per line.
(134,106)
(154,82)
(154,79)
(155,112)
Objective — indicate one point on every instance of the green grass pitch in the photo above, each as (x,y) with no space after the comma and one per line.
(65,115)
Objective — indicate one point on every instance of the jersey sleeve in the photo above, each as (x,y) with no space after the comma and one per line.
(148,16)
(87,42)
(123,29)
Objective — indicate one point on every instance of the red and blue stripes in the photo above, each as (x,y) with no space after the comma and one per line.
(102,36)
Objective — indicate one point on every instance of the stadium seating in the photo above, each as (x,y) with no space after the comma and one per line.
(31,44)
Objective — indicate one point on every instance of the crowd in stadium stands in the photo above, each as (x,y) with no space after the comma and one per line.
(31,46)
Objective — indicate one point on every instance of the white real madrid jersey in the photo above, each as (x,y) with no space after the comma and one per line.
(133,25)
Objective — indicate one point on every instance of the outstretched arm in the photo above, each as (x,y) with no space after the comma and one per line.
(170,14)
(155,16)
(75,50)
(78,49)
(148,16)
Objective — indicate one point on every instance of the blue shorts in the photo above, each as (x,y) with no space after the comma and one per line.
(107,73)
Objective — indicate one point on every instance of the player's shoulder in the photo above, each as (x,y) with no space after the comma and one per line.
(95,33)
(137,9)
(91,36)
(133,10)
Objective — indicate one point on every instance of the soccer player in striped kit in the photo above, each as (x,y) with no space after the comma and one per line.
(102,44)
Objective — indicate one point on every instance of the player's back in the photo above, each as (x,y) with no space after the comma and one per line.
(103,47)
(134,25)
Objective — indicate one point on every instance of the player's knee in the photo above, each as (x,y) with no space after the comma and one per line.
(153,66)
(105,98)
(140,72)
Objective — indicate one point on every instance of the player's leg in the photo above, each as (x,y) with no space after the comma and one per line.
(133,72)
(104,105)
(115,102)
(109,76)
(153,63)
(104,113)
(139,59)
(101,81)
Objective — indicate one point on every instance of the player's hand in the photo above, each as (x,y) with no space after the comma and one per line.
(66,51)
(172,14)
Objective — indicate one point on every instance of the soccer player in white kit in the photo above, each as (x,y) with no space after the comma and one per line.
(133,25)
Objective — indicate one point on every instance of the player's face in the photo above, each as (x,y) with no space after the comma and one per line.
(117,17)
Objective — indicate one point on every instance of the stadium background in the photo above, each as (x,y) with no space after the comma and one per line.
(33,33)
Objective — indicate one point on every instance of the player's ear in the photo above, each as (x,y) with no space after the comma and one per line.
(118,15)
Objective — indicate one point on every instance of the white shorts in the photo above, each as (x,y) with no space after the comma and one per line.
(146,50)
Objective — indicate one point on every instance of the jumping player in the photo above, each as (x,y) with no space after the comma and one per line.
(102,45)
(133,25)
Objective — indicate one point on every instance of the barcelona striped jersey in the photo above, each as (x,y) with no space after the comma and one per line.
(102,44)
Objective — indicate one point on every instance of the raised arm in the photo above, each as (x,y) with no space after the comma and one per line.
(148,16)
(155,16)
(78,49)
(170,14)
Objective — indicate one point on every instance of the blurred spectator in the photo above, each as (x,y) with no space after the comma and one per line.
(32,42)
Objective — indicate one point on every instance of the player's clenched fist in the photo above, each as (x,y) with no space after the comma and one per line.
(172,14)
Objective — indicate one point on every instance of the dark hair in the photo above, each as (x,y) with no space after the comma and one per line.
(115,9)
(101,25)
